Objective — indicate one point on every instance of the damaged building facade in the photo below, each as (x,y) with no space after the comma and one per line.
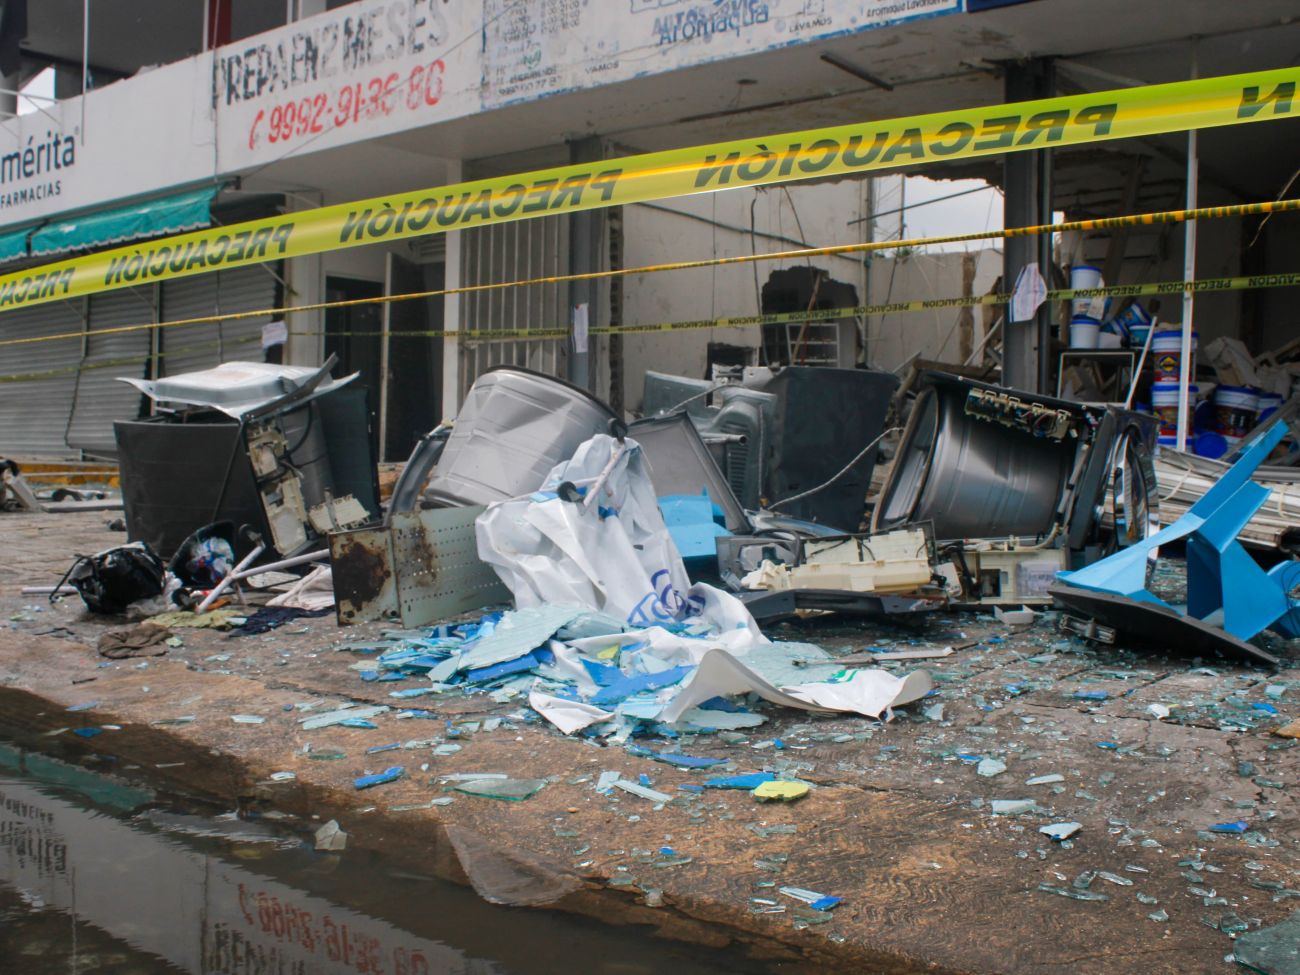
(538,438)
(225,112)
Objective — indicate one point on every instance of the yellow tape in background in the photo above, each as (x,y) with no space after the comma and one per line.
(943,136)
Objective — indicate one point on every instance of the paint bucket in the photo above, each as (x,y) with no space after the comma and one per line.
(1133,323)
(1085,332)
(1210,445)
(1164,402)
(1083,276)
(1269,403)
(1109,340)
(1235,408)
(1167,353)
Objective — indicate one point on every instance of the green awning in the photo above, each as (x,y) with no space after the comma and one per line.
(168,215)
(13,243)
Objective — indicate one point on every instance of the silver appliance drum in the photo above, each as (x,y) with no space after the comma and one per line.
(514,427)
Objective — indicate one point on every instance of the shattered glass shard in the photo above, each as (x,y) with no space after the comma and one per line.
(512,790)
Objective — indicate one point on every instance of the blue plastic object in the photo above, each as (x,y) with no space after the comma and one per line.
(692,521)
(1221,574)
(748,782)
(1210,444)
(1239,826)
(387,775)
(687,761)
(627,686)
(517,666)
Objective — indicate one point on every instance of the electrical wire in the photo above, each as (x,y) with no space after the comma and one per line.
(847,467)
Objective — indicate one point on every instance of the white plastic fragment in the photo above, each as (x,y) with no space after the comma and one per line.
(568,716)
(866,692)
(331,837)
(1060,831)
(1014,617)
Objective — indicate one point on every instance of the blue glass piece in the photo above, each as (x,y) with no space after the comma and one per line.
(379,778)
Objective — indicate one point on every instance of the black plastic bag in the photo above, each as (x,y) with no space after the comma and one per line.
(115,578)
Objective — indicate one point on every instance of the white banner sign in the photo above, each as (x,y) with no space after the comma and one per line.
(375,68)
(547,46)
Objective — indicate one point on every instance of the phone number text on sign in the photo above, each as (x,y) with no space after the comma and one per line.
(376,98)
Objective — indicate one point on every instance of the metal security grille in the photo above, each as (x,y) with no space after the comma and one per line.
(186,348)
(37,380)
(99,396)
(513,252)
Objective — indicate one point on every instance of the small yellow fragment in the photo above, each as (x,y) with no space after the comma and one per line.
(783,791)
(609,653)
(1291,730)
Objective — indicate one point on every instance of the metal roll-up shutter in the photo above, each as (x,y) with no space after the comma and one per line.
(186,348)
(100,397)
(34,411)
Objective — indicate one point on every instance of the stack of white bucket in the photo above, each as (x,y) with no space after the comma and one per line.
(1166,358)
(1091,323)
(1086,313)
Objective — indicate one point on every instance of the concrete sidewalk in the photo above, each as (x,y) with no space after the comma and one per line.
(899,825)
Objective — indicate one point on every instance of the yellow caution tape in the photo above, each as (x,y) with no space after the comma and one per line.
(866,247)
(1244,283)
(839,150)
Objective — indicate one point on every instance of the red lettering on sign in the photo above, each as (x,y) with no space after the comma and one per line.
(421,87)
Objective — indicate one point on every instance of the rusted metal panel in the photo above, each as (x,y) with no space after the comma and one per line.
(364,584)
(422,569)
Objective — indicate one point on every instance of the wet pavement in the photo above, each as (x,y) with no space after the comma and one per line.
(1148,752)
(99,875)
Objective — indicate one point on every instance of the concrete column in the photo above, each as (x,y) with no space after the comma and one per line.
(301,9)
(586,229)
(8,96)
(305,280)
(1027,200)
(451,352)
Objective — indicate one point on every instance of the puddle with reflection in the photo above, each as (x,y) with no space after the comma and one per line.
(98,876)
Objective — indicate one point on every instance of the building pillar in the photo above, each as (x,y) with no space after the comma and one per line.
(305,285)
(9,94)
(301,9)
(453,278)
(1027,201)
(586,229)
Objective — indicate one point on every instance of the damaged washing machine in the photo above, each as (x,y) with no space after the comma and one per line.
(1016,487)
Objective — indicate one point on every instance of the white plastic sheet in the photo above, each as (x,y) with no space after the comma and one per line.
(568,716)
(866,692)
(609,552)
